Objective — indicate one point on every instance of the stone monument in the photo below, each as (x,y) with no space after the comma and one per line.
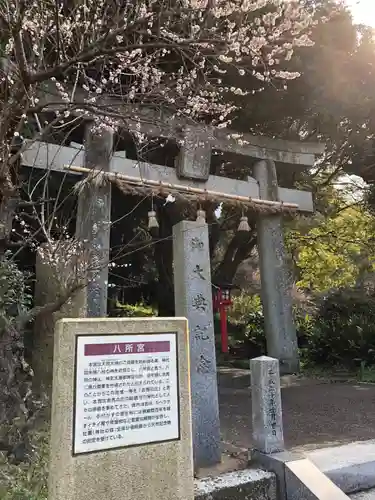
(121,424)
(266,402)
(193,299)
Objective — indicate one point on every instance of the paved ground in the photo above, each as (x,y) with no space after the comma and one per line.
(316,413)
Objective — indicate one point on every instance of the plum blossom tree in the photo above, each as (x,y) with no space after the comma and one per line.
(61,59)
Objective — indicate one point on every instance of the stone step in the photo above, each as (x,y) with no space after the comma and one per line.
(351,467)
(240,485)
(364,495)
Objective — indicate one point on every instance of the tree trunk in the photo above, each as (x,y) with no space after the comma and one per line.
(238,249)
(164,260)
(7,210)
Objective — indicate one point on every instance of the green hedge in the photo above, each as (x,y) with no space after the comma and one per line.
(340,332)
(344,329)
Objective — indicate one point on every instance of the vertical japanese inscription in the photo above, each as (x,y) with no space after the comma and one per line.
(196,243)
(202,332)
(272,406)
(198,272)
(199,302)
(126,391)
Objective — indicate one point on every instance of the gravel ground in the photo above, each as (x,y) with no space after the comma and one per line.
(364,495)
(316,413)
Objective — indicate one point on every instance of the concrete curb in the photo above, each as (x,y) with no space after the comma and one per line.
(246,484)
(351,467)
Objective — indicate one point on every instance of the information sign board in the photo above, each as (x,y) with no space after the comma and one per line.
(126,391)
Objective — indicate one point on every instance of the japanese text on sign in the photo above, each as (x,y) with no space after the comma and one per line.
(126,391)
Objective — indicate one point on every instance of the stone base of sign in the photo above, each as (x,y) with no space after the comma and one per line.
(161,470)
(249,484)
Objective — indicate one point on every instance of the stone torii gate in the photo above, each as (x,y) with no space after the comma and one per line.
(193,293)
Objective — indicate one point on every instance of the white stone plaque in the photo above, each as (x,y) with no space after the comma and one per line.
(126,391)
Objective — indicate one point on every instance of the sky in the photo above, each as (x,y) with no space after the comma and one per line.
(363,11)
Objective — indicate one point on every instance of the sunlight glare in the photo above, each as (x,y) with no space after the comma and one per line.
(363,11)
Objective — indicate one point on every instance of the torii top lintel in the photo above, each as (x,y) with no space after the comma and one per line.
(244,144)
(161,124)
(193,164)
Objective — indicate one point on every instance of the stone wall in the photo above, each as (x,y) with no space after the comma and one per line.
(58,269)
(249,484)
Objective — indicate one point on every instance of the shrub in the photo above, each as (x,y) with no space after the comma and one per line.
(18,407)
(132,311)
(340,330)
(344,329)
(15,297)
(246,326)
(28,480)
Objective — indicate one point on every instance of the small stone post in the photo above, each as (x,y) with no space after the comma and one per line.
(266,405)
(275,279)
(193,300)
(94,218)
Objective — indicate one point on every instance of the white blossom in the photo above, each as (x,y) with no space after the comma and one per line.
(143,54)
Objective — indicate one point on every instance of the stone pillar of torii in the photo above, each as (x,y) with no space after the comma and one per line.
(192,279)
